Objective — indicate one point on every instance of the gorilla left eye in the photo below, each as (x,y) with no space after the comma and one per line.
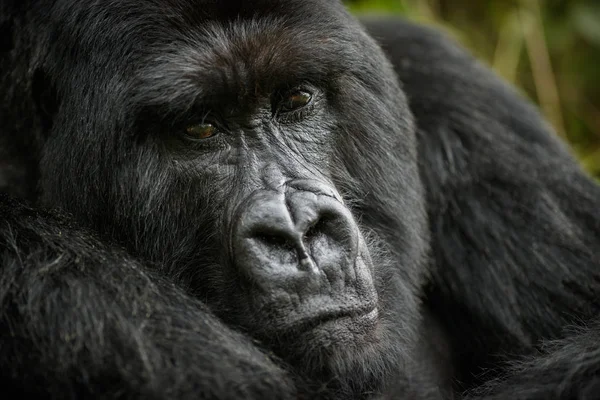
(296,100)
(200,131)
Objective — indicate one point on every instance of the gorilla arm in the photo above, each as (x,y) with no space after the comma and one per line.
(564,369)
(514,222)
(93,322)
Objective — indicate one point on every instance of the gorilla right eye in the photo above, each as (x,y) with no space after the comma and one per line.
(296,100)
(200,131)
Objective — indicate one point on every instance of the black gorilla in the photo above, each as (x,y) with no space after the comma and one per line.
(248,204)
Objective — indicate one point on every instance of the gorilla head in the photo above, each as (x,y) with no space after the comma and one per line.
(260,153)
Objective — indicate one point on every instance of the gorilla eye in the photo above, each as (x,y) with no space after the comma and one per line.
(200,131)
(296,100)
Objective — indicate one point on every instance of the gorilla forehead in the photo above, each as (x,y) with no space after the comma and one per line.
(249,58)
(142,26)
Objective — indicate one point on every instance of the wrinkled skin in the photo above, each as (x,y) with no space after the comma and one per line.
(254,201)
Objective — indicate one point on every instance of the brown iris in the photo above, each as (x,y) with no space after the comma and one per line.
(201,131)
(296,100)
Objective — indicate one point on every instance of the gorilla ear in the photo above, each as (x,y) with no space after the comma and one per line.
(45,98)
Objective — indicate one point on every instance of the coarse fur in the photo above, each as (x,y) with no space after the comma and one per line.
(475,230)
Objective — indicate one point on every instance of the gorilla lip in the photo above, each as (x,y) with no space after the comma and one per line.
(365,317)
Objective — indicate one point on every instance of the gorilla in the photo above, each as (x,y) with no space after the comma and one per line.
(268,199)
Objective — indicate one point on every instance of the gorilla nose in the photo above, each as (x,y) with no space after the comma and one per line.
(299,233)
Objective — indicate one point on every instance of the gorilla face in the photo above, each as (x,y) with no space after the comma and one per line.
(245,151)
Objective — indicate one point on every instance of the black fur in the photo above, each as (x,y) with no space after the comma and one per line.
(482,229)
(514,220)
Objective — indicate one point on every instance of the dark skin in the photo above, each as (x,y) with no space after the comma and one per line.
(257,208)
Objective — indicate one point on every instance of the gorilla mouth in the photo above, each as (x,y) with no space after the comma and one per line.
(351,321)
(324,334)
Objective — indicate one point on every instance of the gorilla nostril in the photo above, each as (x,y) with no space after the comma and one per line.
(274,239)
(324,226)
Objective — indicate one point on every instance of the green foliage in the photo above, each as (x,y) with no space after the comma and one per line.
(548,48)
(385,6)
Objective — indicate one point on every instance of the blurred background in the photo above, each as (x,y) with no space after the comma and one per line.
(550,49)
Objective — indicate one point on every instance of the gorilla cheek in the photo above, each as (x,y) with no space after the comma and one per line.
(302,263)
